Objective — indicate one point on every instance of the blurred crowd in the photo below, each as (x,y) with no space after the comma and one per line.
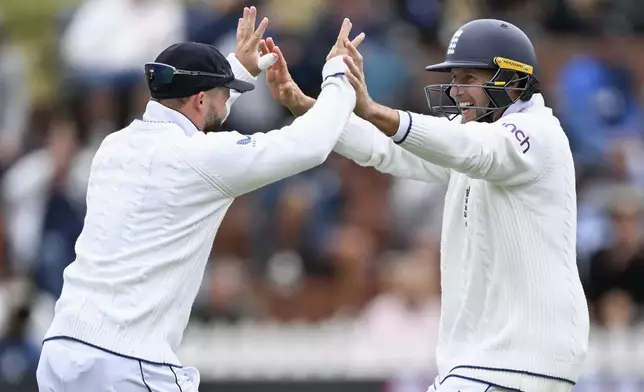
(339,240)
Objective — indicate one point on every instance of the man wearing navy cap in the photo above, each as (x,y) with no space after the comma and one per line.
(157,194)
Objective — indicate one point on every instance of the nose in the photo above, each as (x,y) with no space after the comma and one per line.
(454,91)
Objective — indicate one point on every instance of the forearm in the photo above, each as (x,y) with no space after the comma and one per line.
(386,119)
(303,105)
(263,158)
(502,153)
(367,146)
(304,144)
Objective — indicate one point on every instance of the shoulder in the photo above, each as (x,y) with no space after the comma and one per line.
(217,150)
(219,140)
(538,125)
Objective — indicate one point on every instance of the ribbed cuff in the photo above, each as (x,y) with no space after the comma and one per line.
(239,70)
(417,133)
(514,381)
(334,67)
(404,127)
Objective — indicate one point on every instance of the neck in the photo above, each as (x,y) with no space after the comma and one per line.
(160,111)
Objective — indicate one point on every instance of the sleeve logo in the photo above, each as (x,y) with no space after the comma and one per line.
(246,140)
(522,138)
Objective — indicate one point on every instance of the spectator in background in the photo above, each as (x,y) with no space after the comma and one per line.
(417,211)
(406,312)
(18,356)
(208,21)
(567,16)
(303,213)
(106,42)
(600,108)
(14,98)
(424,15)
(387,73)
(614,282)
(44,195)
(18,353)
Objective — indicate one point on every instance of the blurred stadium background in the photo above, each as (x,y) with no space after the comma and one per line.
(328,280)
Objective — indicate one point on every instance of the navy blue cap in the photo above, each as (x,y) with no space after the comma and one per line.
(195,57)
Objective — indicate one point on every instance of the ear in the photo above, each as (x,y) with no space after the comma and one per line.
(200,98)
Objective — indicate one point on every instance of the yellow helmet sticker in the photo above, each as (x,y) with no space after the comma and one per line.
(513,65)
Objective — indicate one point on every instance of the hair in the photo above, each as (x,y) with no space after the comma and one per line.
(173,103)
(177,103)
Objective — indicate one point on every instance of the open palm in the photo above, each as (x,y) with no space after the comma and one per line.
(282,86)
(248,37)
(283,89)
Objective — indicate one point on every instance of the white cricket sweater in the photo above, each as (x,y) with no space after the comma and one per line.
(512,301)
(157,194)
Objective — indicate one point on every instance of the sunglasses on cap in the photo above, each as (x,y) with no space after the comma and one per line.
(160,74)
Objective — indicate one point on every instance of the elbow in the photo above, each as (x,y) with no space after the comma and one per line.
(477,167)
(319,153)
(320,156)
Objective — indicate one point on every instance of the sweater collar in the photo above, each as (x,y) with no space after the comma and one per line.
(155,112)
(521,106)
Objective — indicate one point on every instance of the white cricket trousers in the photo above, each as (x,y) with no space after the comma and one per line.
(70,366)
(456,384)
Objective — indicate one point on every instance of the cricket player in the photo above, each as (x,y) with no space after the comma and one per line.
(514,316)
(158,191)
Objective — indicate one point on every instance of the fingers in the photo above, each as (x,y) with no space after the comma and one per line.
(263,48)
(259,33)
(240,29)
(357,56)
(267,61)
(271,75)
(271,44)
(252,17)
(344,30)
(245,27)
(354,81)
(353,68)
(358,40)
(281,61)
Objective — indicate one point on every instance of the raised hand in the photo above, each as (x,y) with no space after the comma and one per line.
(354,62)
(248,39)
(283,89)
(339,47)
(282,86)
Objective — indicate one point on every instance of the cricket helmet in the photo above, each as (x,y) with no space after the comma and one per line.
(487,44)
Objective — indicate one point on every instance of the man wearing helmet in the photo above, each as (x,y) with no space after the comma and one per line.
(514,316)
